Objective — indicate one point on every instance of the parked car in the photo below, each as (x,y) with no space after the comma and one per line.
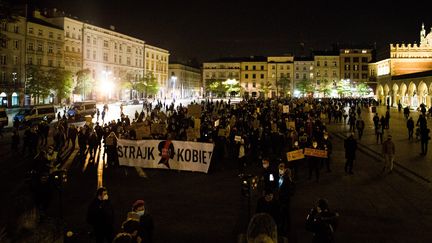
(3,117)
(34,114)
(82,108)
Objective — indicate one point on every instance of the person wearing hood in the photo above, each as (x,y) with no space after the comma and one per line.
(141,214)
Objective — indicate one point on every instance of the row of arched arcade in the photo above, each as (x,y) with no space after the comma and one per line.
(408,93)
(9,99)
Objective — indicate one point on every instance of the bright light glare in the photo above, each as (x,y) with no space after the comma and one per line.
(296,93)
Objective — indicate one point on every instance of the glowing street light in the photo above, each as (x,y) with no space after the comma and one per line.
(106,86)
(174,79)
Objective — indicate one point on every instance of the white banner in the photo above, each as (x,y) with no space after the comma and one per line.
(165,154)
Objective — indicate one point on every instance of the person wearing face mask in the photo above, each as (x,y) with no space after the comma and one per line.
(267,175)
(328,146)
(295,164)
(146,225)
(314,163)
(285,188)
(100,215)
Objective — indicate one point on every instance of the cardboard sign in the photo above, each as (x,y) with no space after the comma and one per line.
(255,124)
(158,128)
(290,124)
(194,110)
(192,134)
(315,153)
(237,138)
(216,123)
(221,132)
(197,123)
(258,110)
(295,155)
(285,109)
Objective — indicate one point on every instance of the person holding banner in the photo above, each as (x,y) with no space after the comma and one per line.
(314,163)
(327,144)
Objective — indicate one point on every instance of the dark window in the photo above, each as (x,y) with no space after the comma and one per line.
(355,59)
(364,59)
(347,59)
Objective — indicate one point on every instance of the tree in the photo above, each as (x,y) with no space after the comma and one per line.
(84,83)
(284,84)
(62,83)
(325,87)
(134,84)
(150,84)
(217,87)
(232,86)
(37,84)
(343,88)
(266,87)
(305,86)
(362,89)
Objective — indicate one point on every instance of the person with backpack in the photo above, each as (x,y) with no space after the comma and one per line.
(322,222)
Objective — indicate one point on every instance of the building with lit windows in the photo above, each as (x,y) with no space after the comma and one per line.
(354,64)
(220,70)
(280,76)
(45,45)
(73,45)
(185,81)
(12,63)
(403,73)
(327,68)
(114,59)
(303,72)
(156,63)
(253,76)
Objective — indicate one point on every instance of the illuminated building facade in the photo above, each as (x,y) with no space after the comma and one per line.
(402,76)
(220,70)
(326,67)
(12,63)
(156,63)
(303,71)
(280,77)
(185,81)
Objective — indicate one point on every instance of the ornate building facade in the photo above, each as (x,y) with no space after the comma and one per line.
(404,77)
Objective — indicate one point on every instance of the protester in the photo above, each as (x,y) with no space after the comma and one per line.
(350,146)
(100,216)
(388,151)
(322,222)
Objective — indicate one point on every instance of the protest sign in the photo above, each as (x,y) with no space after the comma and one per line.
(315,153)
(295,155)
(165,154)
(285,109)
(194,110)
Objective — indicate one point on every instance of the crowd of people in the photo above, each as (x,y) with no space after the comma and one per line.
(251,132)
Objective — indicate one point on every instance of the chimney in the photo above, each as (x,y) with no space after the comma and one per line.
(112,27)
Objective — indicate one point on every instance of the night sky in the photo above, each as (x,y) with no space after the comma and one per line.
(211,29)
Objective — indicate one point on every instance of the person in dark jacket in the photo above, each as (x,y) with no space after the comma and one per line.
(424,140)
(322,222)
(285,189)
(350,146)
(328,146)
(410,127)
(142,215)
(268,204)
(100,216)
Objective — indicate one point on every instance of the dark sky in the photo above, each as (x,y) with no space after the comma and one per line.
(211,29)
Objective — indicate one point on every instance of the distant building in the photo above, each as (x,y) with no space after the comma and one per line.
(327,68)
(220,70)
(12,63)
(156,62)
(253,76)
(185,81)
(354,64)
(280,76)
(402,61)
(303,71)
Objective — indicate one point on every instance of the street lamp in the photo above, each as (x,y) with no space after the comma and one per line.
(106,85)
(174,79)
(230,82)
